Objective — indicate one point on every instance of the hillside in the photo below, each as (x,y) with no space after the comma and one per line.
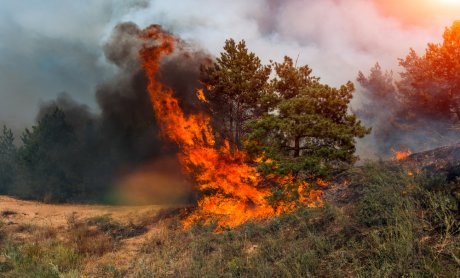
(384,222)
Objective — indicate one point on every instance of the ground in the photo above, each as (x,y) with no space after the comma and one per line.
(41,214)
(384,222)
(24,221)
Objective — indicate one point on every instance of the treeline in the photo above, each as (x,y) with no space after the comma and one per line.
(421,107)
(74,155)
(279,113)
(53,163)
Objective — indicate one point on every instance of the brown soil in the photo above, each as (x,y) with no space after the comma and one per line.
(41,214)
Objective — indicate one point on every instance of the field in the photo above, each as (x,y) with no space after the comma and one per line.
(384,223)
(71,236)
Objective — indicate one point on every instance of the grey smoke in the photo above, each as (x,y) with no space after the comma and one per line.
(124,135)
(55,46)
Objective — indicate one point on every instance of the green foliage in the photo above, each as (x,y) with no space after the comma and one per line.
(7,159)
(236,82)
(41,259)
(382,199)
(43,173)
(299,123)
(57,161)
(307,128)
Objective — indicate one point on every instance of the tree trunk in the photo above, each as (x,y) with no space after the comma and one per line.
(237,125)
(231,131)
(297,146)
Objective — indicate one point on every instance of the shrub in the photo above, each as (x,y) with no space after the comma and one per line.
(40,259)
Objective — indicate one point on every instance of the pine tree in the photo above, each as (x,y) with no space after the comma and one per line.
(7,160)
(308,129)
(235,83)
(430,83)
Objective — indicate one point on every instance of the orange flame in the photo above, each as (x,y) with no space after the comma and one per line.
(401,155)
(231,188)
(200,95)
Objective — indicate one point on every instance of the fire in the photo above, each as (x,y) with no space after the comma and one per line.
(231,187)
(401,155)
(200,95)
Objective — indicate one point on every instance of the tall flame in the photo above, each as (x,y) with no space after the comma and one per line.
(234,195)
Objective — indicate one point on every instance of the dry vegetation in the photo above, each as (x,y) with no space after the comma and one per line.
(385,223)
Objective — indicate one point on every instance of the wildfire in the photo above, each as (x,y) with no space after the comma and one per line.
(231,187)
(200,95)
(401,155)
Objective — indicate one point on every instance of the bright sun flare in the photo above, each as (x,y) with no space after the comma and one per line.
(450,1)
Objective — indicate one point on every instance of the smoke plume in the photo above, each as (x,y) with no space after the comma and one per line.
(123,138)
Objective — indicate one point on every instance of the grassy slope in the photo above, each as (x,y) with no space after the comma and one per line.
(385,223)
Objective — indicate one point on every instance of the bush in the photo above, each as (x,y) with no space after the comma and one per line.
(106,224)
(40,259)
(89,241)
(381,199)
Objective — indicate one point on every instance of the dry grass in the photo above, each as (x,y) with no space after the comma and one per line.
(8,212)
(387,231)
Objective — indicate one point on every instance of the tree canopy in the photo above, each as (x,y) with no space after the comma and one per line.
(431,82)
(7,156)
(236,82)
(422,107)
(308,127)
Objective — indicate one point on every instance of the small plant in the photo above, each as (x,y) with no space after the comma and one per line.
(26,228)
(8,212)
(118,231)
(442,214)
(48,258)
(89,241)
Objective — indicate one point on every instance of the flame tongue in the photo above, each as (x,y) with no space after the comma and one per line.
(235,197)
(401,155)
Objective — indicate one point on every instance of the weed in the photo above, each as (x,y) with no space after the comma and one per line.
(8,212)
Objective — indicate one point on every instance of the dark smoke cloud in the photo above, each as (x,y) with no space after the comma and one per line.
(124,135)
(47,47)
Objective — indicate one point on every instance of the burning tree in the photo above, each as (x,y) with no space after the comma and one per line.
(422,108)
(233,190)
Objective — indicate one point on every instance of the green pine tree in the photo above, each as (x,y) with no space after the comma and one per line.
(308,129)
(7,160)
(236,82)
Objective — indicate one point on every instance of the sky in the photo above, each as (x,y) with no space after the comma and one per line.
(54,46)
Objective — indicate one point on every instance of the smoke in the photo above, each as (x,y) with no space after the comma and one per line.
(337,38)
(45,49)
(123,138)
(399,123)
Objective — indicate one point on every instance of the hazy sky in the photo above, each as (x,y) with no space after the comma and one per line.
(48,47)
